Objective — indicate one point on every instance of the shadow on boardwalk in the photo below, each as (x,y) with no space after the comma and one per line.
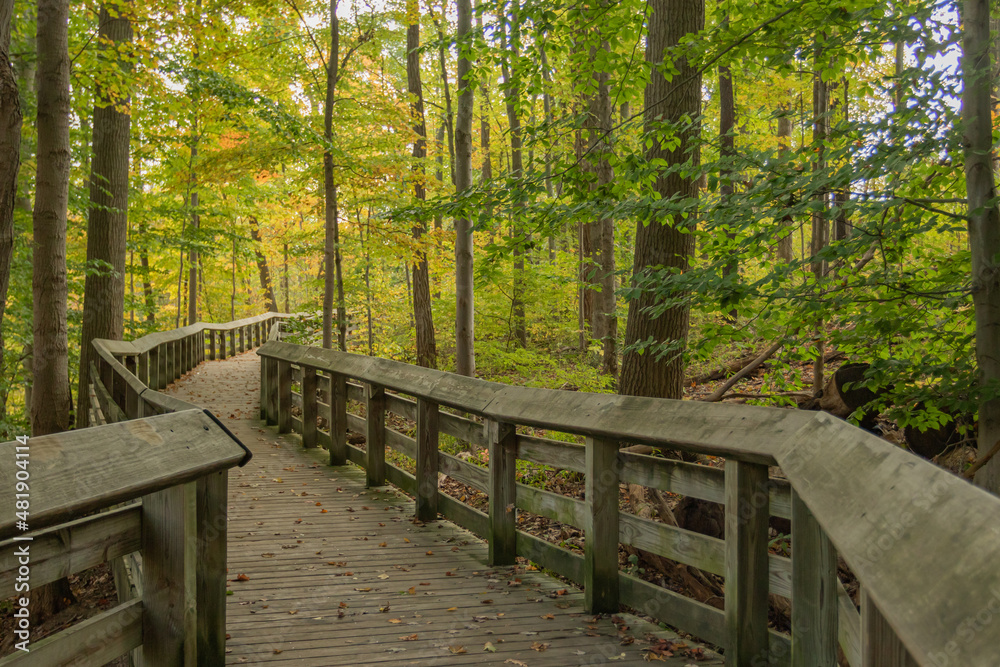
(325,572)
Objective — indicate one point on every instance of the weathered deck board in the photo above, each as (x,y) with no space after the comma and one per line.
(428,580)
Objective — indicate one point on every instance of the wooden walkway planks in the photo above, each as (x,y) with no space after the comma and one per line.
(324,572)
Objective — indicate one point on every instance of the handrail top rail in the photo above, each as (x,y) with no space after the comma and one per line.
(76,472)
(149,341)
(745,432)
(897,520)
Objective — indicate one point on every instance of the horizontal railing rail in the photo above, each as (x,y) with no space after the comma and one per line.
(154,487)
(896,520)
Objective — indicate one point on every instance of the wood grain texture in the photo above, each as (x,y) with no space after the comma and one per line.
(814,591)
(502,501)
(880,646)
(427,460)
(309,412)
(375,434)
(600,582)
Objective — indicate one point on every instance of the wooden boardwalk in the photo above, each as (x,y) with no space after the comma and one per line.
(325,572)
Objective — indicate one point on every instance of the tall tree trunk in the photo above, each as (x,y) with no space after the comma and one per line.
(51,404)
(465,356)
(842,224)
(446,92)
(107,222)
(192,281)
(785,245)
(486,171)
(663,242)
(727,153)
(547,109)
(512,98)
(331,254)
(232,295)
(10,162)
(984,226)
(585,253)
(605,325)
(820,224)
(284,276)
(265,273)
(422,314)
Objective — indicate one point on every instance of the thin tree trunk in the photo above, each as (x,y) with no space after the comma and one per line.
(265,273)
(284,276)
(465,359)
(785,240)
(332,280)
(10,162)
(446,91)
(486,171)
(727,153)
(422,313)
(52,402)
(547,109)
(107,222)
(663,242)
(842,226)
(232,296)
(820,224)
(512,98)
(585,256)
(984,226)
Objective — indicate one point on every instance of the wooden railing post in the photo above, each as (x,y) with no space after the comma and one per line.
(427,460)
(243,346)
(338,419)
(814,591)
(880,646)
(211,344)
(211,568)
(747,512)
(169,581)
(142,368)
(308,406)
(265,380)
(131,405)
(600,575)
(284,382)
(502,491)
(375,435)
(272,391)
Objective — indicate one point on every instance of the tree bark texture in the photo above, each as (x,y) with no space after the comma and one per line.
(423,316)
(107,222)
(727,153)
(331,250)
(785,245)
(465,359)
(820,223)
(984,225)
(265,273)
(662,242)
(51,407)
(10,162)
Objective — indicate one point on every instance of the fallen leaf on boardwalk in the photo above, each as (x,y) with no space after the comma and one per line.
(293,611)
(620,656)
(409,638)
(452,609)
(383,544)
(228,636)
(278,480)
(412,590)
(322,511)
(319,504)
(457,649)
(277,651)
(383,609)
(383,576)
(430,553)
(395,649)
(241,577)
(342,605)
(363,590)
(561,592)
(512,661)
(449,574)
(539,646)
(547,617)
(486,602)
(395,620)
(298,521)
(489,647)
(405,539)
(267,555)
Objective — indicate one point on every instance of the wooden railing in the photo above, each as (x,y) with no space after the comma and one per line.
(922,542)
(170,473)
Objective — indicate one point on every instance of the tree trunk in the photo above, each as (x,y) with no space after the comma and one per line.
(10,162)
(842,225)
(449,117)
(284,277)
(422,313)
(605,325)
(107,222)
(585,253)
(547,110)
(820,225)
(785,245)
(51,404)
(663,242)
(512,98)
(727,153)
(984,226)
(465,356)
(331,253)
(265,273)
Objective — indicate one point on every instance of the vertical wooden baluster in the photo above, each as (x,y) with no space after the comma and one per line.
(308,388)
(284,379)
(211,568)
(131,395)
(503,512)
(169,579)
(427,460)
(265,380)
(243,345)
(747,511)
(600,576)
(814,591)
(142,368)
(880,646)
(211,345)
(375,435)
(338,419)
(164,353)
(272,391)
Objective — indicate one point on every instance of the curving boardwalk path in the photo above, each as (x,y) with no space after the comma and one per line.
(325,572)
